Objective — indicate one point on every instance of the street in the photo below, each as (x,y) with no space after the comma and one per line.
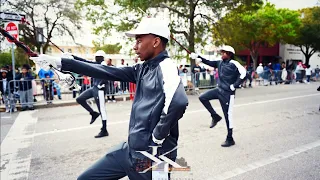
(276,130)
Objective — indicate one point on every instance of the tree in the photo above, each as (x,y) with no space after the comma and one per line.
(5,58)
(308,38)
(193,19)
(254,29)
(19,55)
(56,17)
(107,48)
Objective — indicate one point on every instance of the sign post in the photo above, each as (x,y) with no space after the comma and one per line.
(12,29)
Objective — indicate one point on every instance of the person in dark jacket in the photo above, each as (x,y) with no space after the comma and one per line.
(231,76)
(97,91)
(160,101)
(25,88)
(111,90)
(48,87)
(6,89)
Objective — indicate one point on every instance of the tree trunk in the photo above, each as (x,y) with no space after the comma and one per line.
(191,33)
(308,56)
(254,55)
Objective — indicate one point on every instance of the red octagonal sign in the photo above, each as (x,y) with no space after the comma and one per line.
(12,29)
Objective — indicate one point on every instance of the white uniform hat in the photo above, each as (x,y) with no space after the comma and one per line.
(228,49)
(151,26)
(100,53)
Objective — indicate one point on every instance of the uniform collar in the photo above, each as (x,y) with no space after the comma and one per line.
(156,60)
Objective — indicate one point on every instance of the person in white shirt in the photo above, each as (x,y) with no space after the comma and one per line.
(260,70)
(308,73)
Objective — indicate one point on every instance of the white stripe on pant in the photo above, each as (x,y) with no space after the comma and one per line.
(102,104)
(230,111)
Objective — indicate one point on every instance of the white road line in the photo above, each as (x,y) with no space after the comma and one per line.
(188,112)
(16,153)
(267,161)
(260,102)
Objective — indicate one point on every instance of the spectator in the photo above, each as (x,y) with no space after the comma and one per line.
(317,71)
(276,72)
(298,72)
(212,73)
(110,85)
(266,74)
(6,90)
(124,86)
(42,74)
(48,91)
(284,75)
(73,89)
(308,73)
(86,83)
(56,88)
(196,70)
(259,70)
(25,88)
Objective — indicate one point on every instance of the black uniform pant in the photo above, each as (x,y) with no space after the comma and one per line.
(99,97)
(226,100)
(116,164)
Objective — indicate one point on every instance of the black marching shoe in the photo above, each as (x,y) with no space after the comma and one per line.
(228,143)
(94,116)
(215,119)
(102,133)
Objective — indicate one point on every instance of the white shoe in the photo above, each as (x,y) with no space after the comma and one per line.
(114,101)
(7,110)
(109,101)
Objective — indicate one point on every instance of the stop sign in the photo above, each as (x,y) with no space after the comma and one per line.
(12,29)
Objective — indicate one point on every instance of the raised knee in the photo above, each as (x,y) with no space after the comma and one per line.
(79,100)
(201,98)
(84,176)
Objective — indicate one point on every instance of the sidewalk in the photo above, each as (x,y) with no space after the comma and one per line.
(41,103)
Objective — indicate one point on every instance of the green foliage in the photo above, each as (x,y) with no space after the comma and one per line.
(107,48)
(5,58)
(308,38)
(254,29)
(190,21)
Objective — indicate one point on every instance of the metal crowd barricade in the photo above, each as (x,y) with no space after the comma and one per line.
(204,80)
(21,93)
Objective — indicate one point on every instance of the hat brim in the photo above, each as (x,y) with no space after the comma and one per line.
(134,33)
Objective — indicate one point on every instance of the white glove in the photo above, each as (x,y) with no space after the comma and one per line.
(44,61)
(194,56)
(67,55)
(156,140)
(101,86)
(198,60)
(232,87)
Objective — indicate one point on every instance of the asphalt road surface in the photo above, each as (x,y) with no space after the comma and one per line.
(277,134)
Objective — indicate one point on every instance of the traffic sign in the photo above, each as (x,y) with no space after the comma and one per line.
(12,29)
(11,16)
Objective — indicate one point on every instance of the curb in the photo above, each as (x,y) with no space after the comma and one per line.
(62,104)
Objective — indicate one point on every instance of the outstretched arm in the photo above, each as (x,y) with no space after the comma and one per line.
(214,64)
(126,74)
